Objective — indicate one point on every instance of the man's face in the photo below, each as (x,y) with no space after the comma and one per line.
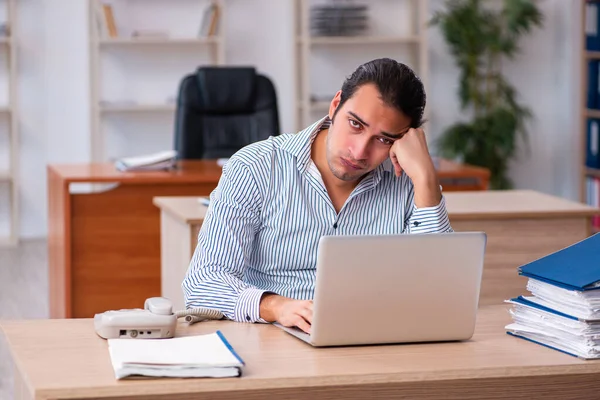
(363,132)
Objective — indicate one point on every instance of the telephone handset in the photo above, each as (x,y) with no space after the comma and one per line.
(155,321)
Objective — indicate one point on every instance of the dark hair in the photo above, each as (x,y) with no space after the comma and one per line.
(398,85)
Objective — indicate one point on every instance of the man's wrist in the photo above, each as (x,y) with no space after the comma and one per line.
(427,190)
(269,305)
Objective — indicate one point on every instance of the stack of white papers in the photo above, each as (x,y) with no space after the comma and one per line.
(569,333)
(581,304)
(200,356)
(158,161)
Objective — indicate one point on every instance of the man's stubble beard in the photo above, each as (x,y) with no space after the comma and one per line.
(346,177)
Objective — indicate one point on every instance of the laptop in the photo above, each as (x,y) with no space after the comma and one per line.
(396,289)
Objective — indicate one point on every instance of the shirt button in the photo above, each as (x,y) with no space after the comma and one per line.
(416,223)
(335,225)
(248,318)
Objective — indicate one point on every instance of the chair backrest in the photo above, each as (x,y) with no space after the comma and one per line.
(222,109)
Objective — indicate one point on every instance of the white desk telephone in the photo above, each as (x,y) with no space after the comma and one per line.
(156,321)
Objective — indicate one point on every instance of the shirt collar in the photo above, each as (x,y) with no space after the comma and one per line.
(301,143)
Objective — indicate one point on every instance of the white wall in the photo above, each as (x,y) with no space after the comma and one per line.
(54,92)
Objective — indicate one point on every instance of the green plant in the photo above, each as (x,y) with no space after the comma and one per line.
(480,35)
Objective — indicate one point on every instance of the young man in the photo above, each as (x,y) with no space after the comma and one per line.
(363,169)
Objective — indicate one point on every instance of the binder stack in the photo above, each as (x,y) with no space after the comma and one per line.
(563,311)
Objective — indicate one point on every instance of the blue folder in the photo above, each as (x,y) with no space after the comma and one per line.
(593,87)
(576,267)
(592,143)
(592,39)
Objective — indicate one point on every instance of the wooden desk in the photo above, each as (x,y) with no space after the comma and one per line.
(104,246)
(462,177)
(64,359)
(521,225)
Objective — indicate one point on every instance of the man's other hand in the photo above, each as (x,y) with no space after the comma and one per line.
(288,312)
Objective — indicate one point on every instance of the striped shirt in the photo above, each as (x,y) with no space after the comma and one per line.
(266,217)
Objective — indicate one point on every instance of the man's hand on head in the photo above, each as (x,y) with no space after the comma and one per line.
(288,312)
(410,155)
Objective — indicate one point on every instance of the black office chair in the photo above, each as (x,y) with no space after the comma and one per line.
(222,109)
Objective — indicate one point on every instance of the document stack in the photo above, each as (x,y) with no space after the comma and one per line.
(563,311)
(163,160)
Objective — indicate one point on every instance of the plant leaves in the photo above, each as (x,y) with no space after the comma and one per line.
(479,36)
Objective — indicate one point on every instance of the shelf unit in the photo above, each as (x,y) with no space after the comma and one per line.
(587,56)
(590,177)
(393,43)
(9,178)
(174,47)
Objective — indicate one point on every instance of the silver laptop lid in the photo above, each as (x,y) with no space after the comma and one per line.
(397,288)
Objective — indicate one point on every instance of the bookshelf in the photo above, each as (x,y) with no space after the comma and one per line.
(9,135)
(396,29)
(139,52)
(590,105)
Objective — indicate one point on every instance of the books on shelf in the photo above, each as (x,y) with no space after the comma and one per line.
(200,356)
(210,21)
(163,160)
(339,19)
(592,156)
(105,20)
(563,311)
(592,25)
(592,186)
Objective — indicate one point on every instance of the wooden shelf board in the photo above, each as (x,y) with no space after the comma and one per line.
(137,108)
(595,172)
(157,41)
(592,113)
(332,40)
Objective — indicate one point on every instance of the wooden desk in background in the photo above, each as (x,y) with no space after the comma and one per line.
(521,226)
(460,177)
(104,247)
(64,359)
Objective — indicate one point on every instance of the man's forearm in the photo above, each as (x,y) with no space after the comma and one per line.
(427,191)
(222,291)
